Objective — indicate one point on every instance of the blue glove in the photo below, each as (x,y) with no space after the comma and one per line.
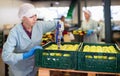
(89,32)
(31,52)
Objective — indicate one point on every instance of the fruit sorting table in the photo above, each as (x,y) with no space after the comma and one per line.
(46,72)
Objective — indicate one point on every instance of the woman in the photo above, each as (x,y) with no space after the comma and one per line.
(23,40)
(91,28)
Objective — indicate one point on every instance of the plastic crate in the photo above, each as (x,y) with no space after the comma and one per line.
(99,62)
(59,59)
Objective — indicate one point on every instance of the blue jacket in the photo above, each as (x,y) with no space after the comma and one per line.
(19,42)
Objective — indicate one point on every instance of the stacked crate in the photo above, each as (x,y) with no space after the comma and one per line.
(91,60)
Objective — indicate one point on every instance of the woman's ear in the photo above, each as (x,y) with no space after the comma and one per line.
(23,19)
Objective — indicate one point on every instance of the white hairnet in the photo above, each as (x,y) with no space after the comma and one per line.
(27,10)
(87,11)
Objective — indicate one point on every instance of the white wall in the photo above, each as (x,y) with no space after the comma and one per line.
(8,11)
(47,3)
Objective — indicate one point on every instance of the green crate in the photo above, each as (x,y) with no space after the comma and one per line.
(99,62)
(118,63)
(38,57)
(59,59)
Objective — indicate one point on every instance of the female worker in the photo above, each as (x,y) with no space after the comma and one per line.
(91,28)
(23,40)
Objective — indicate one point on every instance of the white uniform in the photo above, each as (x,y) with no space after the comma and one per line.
(90,25)
(62,25)
(61,28)
(19,42)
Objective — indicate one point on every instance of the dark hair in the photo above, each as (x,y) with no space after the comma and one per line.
(62,17)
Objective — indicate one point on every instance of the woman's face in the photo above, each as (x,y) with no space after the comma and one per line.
(87,16)
(30,21)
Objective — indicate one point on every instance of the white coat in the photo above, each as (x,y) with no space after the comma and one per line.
(90,25)
(19,42)
(62,25)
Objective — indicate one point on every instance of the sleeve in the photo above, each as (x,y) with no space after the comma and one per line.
(48,26)
(95,27)
(8,54)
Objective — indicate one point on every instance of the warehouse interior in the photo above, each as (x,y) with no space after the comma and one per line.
(105,12)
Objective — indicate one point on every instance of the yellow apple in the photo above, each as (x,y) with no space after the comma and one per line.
(66,55)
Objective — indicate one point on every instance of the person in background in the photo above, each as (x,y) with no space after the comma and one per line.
(91,28)
(64,25)
(62,22)
(23,40)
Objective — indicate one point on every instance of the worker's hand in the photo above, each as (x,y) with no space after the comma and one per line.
(31,52)
(89,32)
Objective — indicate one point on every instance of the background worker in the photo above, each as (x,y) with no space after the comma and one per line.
(91,28)
(62,22)
(65,30)
(23,40)
(63,27)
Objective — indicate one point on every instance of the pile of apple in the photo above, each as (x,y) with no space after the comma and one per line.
(102,49)
(79,32)
(56,54)
(65,47)
(49,36)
